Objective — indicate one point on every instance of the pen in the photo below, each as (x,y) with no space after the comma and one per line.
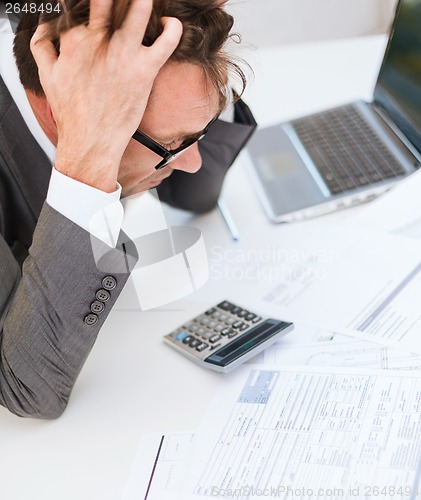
(229,221)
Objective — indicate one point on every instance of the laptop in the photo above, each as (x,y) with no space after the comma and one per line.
(352,153)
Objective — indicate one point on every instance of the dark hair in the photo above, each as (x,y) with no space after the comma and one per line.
(206,29)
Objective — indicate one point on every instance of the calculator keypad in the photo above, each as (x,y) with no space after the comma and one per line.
(213,329)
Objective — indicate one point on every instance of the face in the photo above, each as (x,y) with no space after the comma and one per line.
(182,103)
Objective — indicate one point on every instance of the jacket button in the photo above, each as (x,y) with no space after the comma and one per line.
(97,307)
(109,283)
(91,319)
(102,295)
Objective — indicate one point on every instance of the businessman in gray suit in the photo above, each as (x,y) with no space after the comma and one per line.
(115,96)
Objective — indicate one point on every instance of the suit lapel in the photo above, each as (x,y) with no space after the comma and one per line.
(27,163)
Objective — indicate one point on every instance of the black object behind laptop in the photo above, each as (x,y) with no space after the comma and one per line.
(349,154)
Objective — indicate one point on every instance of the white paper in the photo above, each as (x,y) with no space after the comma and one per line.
(277,271)
(308,433)
(370,293)
(348,353)
(303,335)
(157,470)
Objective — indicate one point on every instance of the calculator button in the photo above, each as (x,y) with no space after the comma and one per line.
(225,305)
(194,328)
(211,311)
(214,339)
(194,342)
(243,327)
(182,335)
(207,335)
(242,314)
(187,339)
(212,347)
(201,331)
(227,331)
(232,334)
(230,321)
(219,327)
(202,346)
(212,324)
(256,319)
(236,310)
(238,324)
(205,320)
(223,317)
(249,316)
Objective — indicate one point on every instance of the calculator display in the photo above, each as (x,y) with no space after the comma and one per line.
(245,343)
(225,336)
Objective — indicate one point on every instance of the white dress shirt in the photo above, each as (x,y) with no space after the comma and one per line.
(97,212)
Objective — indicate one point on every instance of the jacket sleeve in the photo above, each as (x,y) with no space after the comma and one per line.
(47,325)
(219,148)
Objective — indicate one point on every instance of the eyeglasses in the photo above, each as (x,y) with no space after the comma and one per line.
(169,156)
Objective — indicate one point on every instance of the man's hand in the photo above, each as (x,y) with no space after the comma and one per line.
(98,87)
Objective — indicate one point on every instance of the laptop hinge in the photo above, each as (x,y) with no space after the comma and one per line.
(383,115)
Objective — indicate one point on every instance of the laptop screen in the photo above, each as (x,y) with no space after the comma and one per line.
(398,88)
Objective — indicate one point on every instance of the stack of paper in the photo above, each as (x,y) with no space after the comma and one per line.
(334,409)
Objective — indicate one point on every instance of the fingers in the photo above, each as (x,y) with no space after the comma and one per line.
(43,49)
(99,13)
(167,42)
(137,20)
(134,26)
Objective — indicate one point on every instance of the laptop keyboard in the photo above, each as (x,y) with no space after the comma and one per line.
(346,151)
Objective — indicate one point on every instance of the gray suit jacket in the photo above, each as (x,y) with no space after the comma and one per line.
(49,277)
(47,327)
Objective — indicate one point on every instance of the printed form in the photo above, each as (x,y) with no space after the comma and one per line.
(162,459)
(309,434)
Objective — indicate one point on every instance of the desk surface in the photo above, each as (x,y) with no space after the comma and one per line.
(132,383)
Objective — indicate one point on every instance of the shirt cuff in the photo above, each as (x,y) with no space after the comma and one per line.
(98,212)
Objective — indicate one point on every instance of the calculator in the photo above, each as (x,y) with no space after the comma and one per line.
(225,336)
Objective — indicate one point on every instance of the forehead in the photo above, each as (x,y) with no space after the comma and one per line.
(182,99)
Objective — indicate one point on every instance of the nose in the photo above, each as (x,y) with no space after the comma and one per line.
(189,161)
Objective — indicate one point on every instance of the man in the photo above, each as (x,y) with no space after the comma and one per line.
(112,92)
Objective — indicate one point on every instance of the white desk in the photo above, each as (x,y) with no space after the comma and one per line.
(132,383)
